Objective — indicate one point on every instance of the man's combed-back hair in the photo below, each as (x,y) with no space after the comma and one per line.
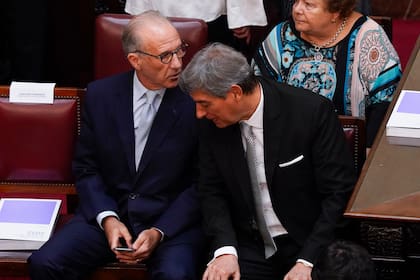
(215,69)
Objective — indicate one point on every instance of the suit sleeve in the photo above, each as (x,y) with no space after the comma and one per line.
(91,188)
(214,197)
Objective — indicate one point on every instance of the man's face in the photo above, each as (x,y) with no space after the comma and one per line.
(151,71)
(221,111)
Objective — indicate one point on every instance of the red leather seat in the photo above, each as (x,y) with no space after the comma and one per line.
(108,53)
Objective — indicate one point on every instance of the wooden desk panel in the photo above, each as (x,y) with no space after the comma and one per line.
(389,186)
(386,199)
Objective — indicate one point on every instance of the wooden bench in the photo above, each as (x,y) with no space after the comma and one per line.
(36,148)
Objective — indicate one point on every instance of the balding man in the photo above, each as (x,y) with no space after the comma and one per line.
(134,167)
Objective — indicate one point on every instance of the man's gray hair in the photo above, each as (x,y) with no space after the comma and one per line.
(215,69)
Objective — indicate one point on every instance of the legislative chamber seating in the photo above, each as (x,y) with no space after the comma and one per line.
(37,140)
(36,150)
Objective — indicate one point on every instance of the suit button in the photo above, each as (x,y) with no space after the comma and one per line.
(133,196)
(253,224)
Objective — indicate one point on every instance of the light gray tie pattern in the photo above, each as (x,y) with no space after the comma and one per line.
(144,113)
(251,156)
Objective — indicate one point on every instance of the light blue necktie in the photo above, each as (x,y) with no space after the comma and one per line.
(144,113)
(251,156)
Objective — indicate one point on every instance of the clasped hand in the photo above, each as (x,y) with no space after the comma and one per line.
(142,247)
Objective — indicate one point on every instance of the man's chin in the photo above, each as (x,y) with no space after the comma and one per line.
(220,124)
(172,83)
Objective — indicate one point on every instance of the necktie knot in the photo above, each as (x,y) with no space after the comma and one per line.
(150,97)
(249,134)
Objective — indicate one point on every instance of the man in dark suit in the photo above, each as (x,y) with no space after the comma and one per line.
(144,197)
(275,170)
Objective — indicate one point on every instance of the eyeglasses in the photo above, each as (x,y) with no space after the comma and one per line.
(166,57)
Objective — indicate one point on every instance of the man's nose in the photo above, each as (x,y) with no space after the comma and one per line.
(176,62)
(200,113)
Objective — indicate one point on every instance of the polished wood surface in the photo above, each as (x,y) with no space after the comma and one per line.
(389,185)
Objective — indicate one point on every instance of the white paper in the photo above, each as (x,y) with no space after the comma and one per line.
(24,92)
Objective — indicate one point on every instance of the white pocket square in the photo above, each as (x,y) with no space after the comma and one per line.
(293,161)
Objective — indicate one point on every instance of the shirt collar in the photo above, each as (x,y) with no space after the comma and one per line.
(139,89)
(256,119)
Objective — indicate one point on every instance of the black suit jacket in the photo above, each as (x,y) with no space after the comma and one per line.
(308,197)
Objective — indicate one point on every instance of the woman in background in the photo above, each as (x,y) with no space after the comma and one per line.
(334,51)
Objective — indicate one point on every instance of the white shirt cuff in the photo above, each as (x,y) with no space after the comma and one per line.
(101,216)
(305,263)
(225,250)
(161,232)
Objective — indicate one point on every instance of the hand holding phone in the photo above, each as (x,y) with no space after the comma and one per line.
(123,247)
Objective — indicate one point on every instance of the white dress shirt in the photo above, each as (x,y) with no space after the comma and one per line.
(239,12)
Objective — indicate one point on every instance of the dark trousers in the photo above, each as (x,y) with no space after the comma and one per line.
(254,266)
(78,248)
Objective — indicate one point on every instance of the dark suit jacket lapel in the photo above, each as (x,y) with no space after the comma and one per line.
(165,118)
(274,126)
(125,122)
(235,152)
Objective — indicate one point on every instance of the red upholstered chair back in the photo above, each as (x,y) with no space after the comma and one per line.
(37,144)
(109,57)
(38,139)
(355,133)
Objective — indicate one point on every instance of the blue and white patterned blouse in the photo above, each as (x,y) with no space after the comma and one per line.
(359,74)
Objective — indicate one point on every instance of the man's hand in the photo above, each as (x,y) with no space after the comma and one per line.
(299,272)
(146,242)
(223,267)
(243,33)
(114,230)
(142,247)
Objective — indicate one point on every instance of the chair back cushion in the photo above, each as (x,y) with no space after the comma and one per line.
(37,140)
(109,56)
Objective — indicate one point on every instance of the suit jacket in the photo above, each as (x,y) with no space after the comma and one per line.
(162,192)
(308,197)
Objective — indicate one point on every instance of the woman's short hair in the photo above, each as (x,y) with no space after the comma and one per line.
(215,68)
(343,7)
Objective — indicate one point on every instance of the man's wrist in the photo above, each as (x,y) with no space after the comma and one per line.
(225,250)
(162,235)
(103,215)
(305,263)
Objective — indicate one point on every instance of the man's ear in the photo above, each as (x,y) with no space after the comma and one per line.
(134,60)
(237,92)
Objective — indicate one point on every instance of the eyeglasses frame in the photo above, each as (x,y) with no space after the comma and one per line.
(162,55)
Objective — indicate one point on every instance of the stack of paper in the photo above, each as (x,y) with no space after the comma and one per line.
(26,224)
(403,127)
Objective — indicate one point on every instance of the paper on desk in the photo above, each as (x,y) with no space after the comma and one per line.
(24,92)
